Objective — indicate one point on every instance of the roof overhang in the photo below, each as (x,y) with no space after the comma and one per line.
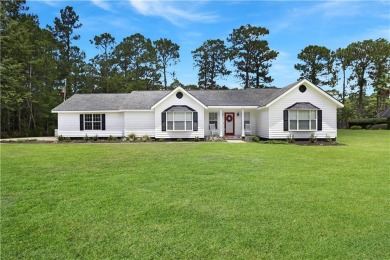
(302,106)
(86,112)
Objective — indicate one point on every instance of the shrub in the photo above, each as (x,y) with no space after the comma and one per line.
(67,139)
(313,138)
(95,138)
(132,137)
(290,139)
(196,139)
(145,138)
(60,138)
(356,127)
(379,126)
(162,139)
(112,138)
(86,138)
(368,127)
(364,122)
(255,139)
(328,139)
(179,140)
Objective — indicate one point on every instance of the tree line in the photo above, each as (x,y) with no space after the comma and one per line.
(41,66)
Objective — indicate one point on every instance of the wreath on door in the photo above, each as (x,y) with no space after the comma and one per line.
(229,118)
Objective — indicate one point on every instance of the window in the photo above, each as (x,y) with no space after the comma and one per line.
(213,119)
(301,120)
(247,118)
(93,122)
(179,121)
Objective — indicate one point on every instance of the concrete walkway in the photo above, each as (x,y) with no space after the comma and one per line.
(42,139)
(235,141)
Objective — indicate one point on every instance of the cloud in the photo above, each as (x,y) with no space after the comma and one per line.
(172,11)
(102,4)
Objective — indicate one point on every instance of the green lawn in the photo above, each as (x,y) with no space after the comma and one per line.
(197,200)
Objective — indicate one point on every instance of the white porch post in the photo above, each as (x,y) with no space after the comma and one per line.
(221,126)
(242,123)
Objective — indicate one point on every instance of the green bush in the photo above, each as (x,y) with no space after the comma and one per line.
(328,139)
(162,139)
(179,140)
(255,139)
(145,138)
(95,138)
(132,137)
(196,139)
(356,127)
(364,122)
(86,138)
(60,138)
(368,127)
(379,127)
(112,138)
(313,138)
(290,139)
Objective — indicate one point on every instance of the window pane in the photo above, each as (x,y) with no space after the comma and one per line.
(293,124)
(292,114)
(313,114)
(179,116)
(188,116)
(303,115)
(247,116)
(88,125)
(170,125)
(88,117)
(188,125)
(304,124)
(96,125)
(179,125)
(96,117)
(213,117)
(169,116)
(313,124)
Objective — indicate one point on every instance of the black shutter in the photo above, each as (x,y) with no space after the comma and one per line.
(81,122)
(285,120)
(195,121)
(103,121)
(319,120)
(163,121)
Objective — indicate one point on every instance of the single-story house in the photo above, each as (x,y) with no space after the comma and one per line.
(299,109)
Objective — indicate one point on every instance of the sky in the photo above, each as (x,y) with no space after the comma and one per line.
(293,25)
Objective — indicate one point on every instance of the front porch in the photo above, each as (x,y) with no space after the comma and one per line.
(231,123)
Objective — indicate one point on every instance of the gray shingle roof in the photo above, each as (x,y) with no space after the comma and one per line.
(303,106)
(144,100)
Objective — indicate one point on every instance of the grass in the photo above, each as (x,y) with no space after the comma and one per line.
(197,200)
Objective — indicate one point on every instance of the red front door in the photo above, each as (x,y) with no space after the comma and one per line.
(229,123)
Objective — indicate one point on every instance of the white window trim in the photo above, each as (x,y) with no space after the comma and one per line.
(302,130)
(93,121)
(185,122)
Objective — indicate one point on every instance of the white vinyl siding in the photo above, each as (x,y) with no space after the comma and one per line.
(69,125)
(172,100)
(329,114)
(139,123)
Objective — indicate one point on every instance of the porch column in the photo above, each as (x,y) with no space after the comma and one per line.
(221,126)
(242,123)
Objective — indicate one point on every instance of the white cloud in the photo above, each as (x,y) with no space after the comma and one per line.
(102,4)
(172,11)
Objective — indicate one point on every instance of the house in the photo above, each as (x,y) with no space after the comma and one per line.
(300,109)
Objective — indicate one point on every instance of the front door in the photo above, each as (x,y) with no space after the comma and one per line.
(229,123)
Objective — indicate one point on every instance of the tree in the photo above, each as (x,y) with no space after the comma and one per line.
(167,55)
(63,31)
(342,60)
(317,66)
(251,55)
(379,73)
(104,42)
(211,59)
(137,61)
